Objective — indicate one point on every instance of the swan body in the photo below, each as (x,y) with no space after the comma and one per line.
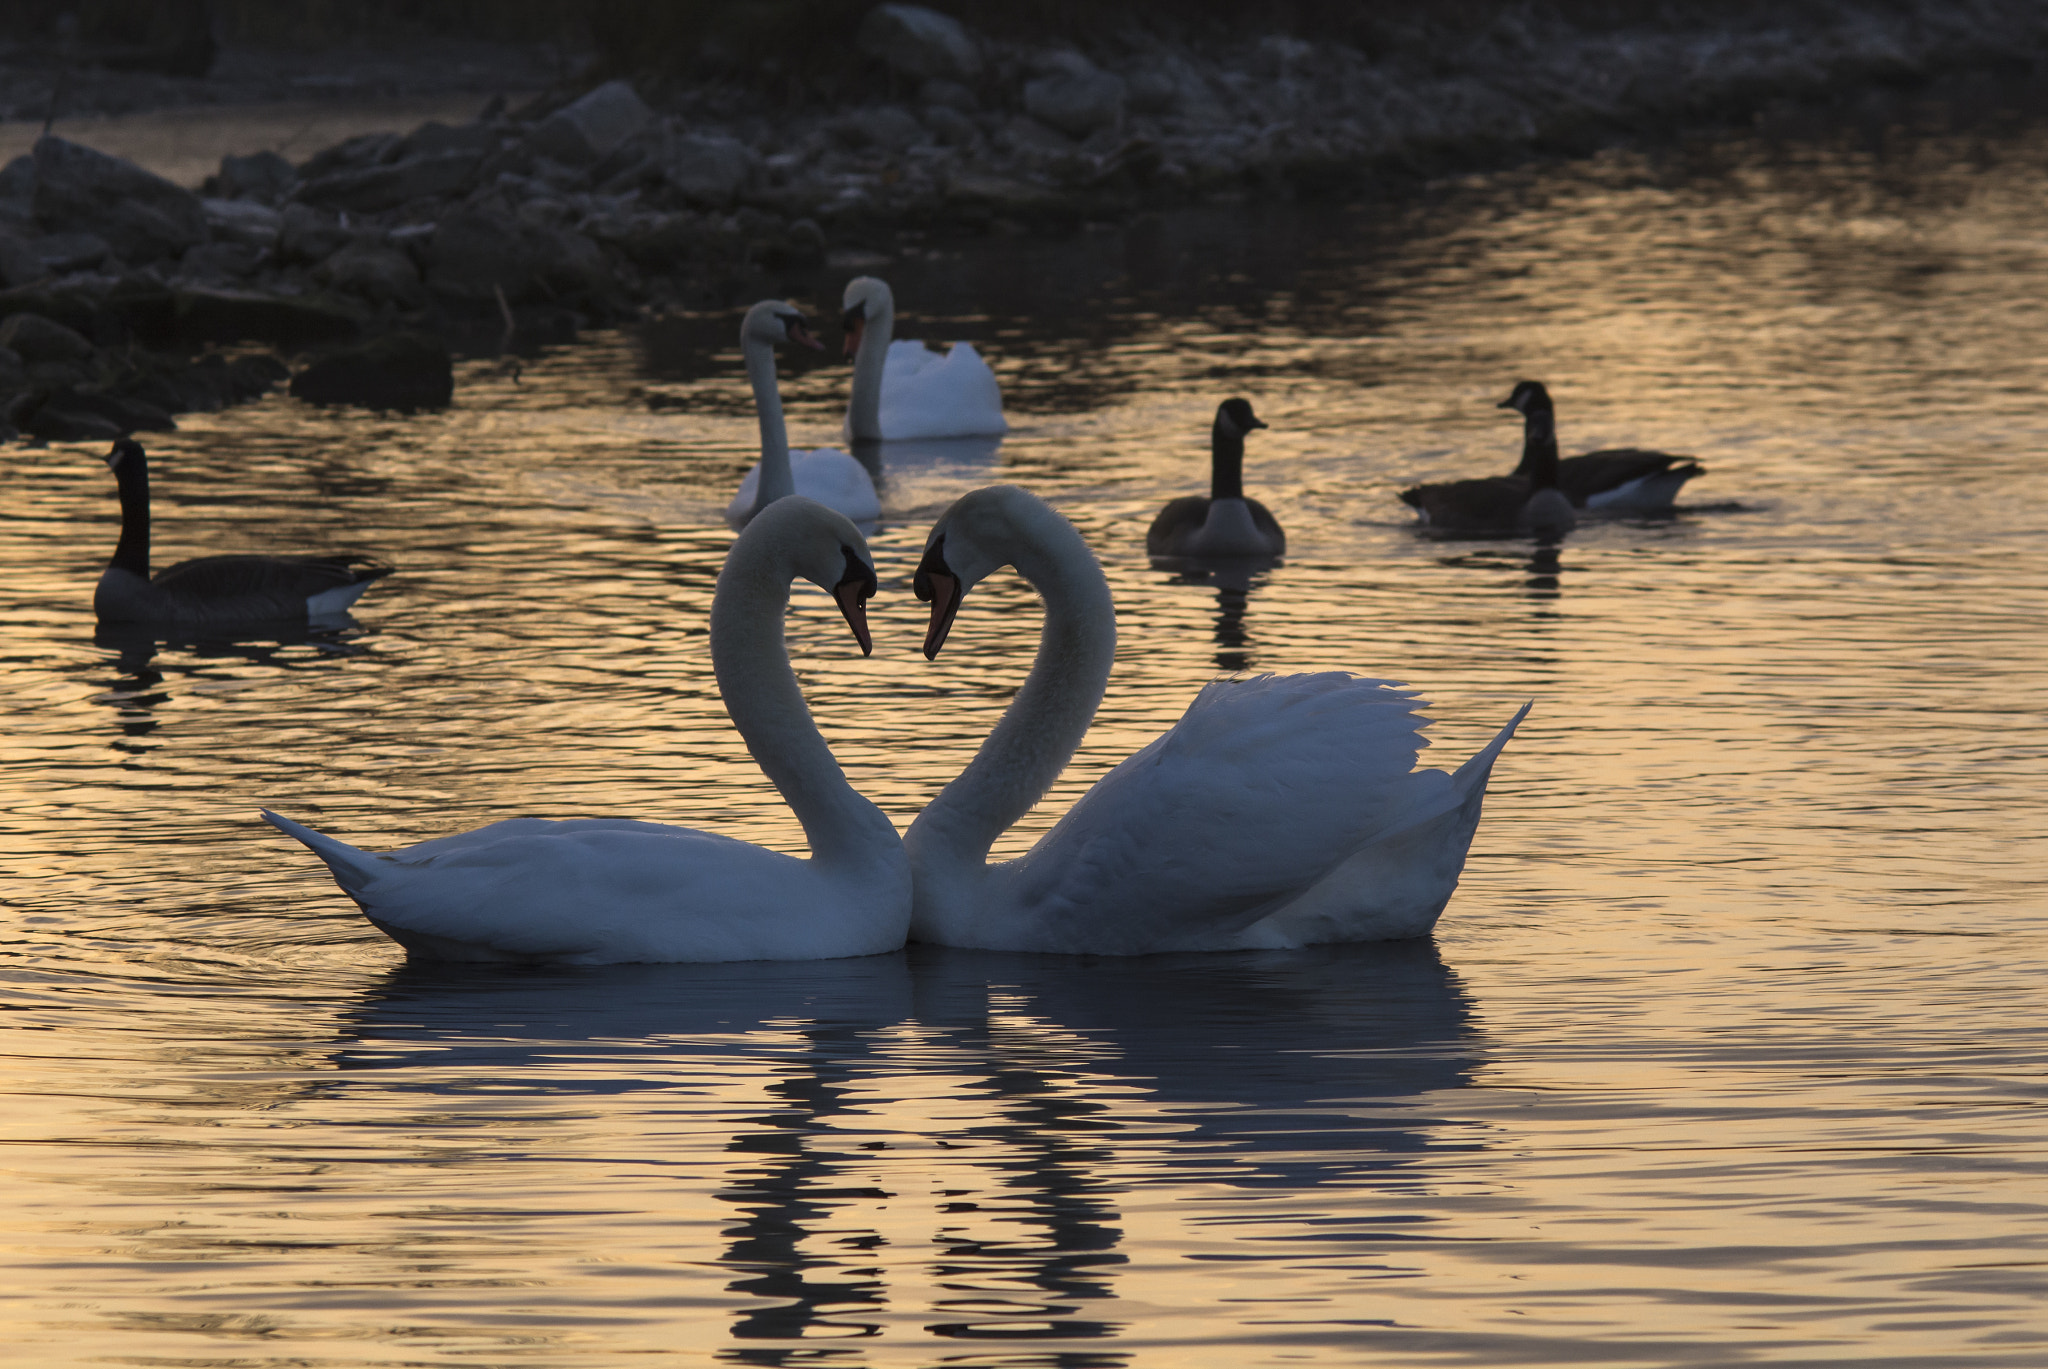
(1226,524)
(1279,811)
(826,476)
(606,891)
(906,391)
(215,591)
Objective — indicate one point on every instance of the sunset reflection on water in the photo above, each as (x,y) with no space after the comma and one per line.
(1727,1049)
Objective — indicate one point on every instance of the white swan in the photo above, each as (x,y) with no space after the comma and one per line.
(904,391)
(1279,811)
(828,475)
(608,890)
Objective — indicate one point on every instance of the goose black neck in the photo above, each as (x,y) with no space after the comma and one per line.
(1226,462)
(1539,449)
(132,552)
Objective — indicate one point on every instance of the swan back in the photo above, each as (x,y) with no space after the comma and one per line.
(906,391)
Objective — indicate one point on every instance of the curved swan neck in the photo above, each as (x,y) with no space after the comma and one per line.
(751,661)
(864,415)
(1539,449)
(1226,461)
(131,553)
(1045,723)
(776,481)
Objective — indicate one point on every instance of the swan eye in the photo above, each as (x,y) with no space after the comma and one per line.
(934,563)
(858,572)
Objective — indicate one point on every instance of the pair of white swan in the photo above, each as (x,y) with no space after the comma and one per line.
(902,391)
(1280,811)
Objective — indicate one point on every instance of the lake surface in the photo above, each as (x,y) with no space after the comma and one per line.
(1729,1049)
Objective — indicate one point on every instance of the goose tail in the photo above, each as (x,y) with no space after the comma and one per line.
(354,870)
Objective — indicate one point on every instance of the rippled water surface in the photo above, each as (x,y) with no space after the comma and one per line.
(1728,1050)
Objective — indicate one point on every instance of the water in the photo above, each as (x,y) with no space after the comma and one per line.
(1729,1049)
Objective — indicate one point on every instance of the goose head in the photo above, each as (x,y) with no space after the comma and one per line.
(776,322)
(823,546)
(1234,418)
(126,450)
(1529,398)
(867,298)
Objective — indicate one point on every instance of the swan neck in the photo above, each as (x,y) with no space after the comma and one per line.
(776,481)
(864,415)
(751,661)
(1539,449)
(131,553)
(1045,723)
(1226,462)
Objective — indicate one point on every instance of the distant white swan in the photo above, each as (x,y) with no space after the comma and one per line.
(828,475)
(905,391)
(608,890)
(1280,811)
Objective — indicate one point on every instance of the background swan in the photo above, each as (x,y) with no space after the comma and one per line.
(604,891)
(215,591)
(1622,480)
(1226,523)
(904,391)
(1279,811)
(827,475)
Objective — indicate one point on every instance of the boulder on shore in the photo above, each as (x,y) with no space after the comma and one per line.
(919,42)
(593,127)
(403,371)
(142,216)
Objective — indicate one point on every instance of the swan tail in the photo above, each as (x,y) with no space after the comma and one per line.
(354,870)
(1470,778)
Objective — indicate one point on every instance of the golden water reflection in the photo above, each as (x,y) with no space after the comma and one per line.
(1727,1049)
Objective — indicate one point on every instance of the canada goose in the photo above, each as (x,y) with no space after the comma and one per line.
(215,591)
(1620,480)
(1225,523)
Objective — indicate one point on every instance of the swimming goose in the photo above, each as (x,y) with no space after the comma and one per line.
(1226,523)
(1279,811)
(827,475)
(215,591)
(605,891)
(1527,501)
(903,391)
(1622,480)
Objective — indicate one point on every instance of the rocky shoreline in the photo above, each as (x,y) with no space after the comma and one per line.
(128,299)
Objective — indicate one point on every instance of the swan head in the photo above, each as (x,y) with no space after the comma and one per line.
(982,532)
(1235,417)
(866,298)
(776,322)
(823,546)
(1529,397)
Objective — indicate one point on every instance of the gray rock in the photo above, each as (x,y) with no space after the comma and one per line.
(18,187)
(591,128)
(379,274)
(56,421)
(141,215)
(36,339)
(63,253)
(1001,193)
(220,262)
(707,169)
(1278,56)
(214,315)
(433,139)
(351,154)
(1076,100)
(1152,90)
(951,127)
(261,176)
(661,242)
(13,374)
(919,42)
(1026,134)
(308,234)
(20,264)
(375,188)
(475,254)
(890,127)
(949,94)
(243,221)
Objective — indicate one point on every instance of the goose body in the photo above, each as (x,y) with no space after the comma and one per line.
(1279,811)
(215,591)
(606,891)
(906,391)
(827,476)
(1530,500)
(1226,524)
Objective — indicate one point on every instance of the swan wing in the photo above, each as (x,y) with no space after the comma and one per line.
(1261,788)
(939,394)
